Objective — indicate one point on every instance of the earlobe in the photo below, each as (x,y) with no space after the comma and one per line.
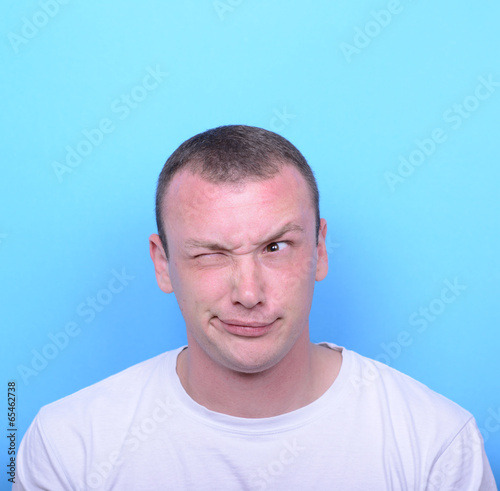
(322,263)
(160,263)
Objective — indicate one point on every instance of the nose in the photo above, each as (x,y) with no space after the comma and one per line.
(247,282)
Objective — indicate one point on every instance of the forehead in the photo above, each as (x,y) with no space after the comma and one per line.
(196,208)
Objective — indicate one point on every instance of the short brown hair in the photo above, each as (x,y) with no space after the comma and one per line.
(231,154)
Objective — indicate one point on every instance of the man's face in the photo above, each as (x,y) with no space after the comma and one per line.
(242,263)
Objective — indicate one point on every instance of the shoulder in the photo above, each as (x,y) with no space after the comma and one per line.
(111,399)
(94,424)
(431,431)
(390,392)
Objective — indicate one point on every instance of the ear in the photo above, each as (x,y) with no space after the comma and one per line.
(161,263)
(322,263)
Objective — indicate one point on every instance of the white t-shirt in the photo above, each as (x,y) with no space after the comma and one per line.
(373,429)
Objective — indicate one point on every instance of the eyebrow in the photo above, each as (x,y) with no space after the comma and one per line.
(213,246)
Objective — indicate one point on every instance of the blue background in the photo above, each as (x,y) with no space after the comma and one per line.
(354,89)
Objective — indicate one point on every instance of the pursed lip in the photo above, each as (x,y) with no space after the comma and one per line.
(244,328)
(240,323)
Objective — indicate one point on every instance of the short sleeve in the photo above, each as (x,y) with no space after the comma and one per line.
(37,465)
(463,465)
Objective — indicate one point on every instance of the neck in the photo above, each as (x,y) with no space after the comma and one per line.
(300,378)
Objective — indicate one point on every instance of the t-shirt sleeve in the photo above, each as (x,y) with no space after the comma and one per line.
(463,465)
(38,467)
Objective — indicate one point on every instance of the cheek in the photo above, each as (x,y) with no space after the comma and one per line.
(293,286)
(197,289)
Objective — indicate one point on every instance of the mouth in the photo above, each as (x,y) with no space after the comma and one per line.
(246,328)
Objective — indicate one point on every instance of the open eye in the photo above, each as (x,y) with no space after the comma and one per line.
(276,246)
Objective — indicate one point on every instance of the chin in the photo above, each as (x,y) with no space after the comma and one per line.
(252,360)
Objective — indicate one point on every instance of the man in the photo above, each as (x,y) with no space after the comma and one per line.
(250,403)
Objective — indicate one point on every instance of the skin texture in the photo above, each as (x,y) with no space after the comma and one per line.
(243,265)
